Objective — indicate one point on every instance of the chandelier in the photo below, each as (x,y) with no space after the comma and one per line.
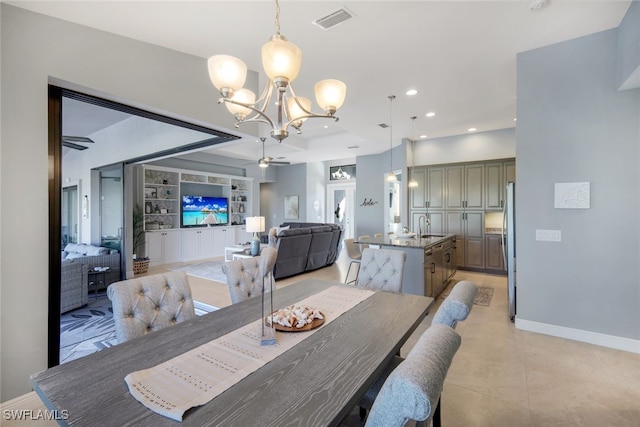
(281,61)
(413,183)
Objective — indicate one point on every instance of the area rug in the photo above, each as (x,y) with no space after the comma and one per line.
(87,330)
(211,270)
(483,298)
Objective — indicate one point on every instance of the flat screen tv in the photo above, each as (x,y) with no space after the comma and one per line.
(199,211)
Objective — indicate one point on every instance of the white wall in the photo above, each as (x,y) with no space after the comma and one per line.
(36,50)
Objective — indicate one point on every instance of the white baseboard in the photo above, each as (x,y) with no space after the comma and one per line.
(611,341)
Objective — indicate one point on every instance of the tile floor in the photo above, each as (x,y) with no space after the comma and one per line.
(502,376)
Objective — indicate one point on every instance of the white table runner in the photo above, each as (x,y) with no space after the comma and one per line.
(197,376)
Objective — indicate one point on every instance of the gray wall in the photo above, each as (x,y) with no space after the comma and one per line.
(36,50)
(629,48)
(574,126)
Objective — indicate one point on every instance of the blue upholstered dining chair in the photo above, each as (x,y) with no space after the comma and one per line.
(149,303)
(382,269)
(245,276)
(457,305)
(455,308)
(412,390)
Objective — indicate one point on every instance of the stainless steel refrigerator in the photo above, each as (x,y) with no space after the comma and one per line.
(509,245)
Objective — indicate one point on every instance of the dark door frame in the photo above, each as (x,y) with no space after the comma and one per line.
(55,95)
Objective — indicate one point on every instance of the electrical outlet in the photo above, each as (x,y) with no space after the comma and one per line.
(549,235)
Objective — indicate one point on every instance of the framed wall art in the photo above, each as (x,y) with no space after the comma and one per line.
(290,207)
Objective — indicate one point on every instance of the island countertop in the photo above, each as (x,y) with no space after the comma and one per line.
(415,242)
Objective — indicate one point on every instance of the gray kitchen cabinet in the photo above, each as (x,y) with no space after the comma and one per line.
(493,257)
(469,230)
(435,188)
(436,222)
(496,177)
(418,195)
(454,187)
(465,186)
(434,270)
(474,186)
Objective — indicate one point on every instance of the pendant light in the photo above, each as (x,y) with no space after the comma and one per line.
(413,183)
(391,176)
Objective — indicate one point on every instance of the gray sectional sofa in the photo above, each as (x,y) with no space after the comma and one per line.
(304,246)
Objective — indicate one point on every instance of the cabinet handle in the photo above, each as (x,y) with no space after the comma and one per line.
(433,268)
(502,203)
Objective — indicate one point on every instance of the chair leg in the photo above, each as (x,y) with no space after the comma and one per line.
(363,413)
(436,415)
(348,270)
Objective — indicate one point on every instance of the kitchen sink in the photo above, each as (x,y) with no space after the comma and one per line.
(427,236)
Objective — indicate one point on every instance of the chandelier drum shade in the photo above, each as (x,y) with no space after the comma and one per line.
(281,61)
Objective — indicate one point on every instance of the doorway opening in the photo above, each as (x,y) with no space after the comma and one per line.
(81,215)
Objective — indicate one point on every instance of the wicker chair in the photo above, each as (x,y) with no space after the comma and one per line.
(74,283)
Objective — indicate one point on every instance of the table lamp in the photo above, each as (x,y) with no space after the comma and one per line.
(255,225)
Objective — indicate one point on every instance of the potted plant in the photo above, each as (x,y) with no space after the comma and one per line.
(140,264)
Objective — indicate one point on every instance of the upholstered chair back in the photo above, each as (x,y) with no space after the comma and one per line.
(245,276)
(457,305)
(149,303)
(412,390)
(381,269)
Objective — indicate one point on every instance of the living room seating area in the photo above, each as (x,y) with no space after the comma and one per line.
(304,246)
(78,260)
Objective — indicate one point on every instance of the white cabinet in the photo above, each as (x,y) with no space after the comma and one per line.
(163,246)
(222,237)
(242,235)
(197,244)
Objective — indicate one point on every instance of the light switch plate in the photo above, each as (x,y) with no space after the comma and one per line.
(549,235)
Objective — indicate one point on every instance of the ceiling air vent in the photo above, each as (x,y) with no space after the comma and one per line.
(383,125)
(334,18)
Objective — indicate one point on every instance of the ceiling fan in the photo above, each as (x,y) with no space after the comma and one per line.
(72,142)
(265,161)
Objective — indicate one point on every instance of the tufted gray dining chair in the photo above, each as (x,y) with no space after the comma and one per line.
(245,276)
(381,269)
(457,305)
(149,303)
(412,390)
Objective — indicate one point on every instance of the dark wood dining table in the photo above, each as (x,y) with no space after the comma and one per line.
(316,383)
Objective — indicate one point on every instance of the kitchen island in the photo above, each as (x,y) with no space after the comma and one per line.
(431,261)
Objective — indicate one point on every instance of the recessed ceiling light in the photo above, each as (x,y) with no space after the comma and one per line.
(326,126)
(430,114)
(411,92)
(472,129)
(515,120)
(423,136)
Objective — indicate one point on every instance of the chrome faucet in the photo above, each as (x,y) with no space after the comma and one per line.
(426,224)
